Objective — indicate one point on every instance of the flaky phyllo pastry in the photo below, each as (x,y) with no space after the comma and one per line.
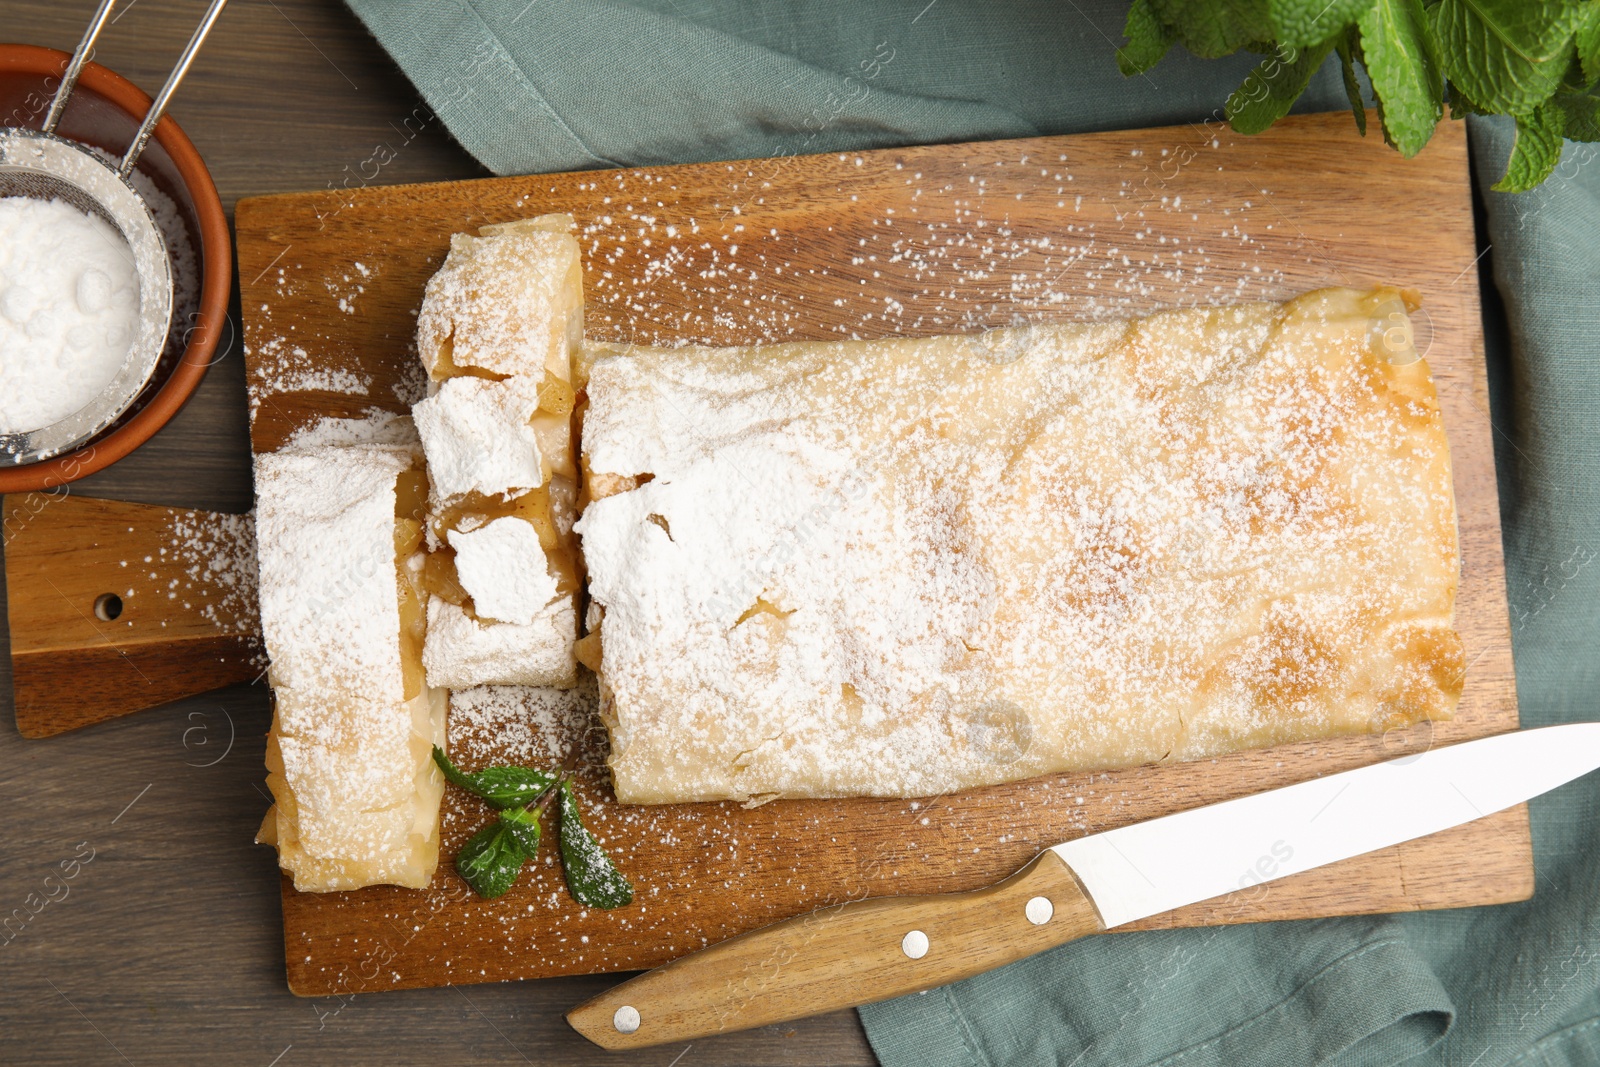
(349,760)
(890,568)
(384,584)
(496,333)
(903,567)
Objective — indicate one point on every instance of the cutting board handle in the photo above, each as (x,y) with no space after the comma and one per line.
(843,956)
(116,607)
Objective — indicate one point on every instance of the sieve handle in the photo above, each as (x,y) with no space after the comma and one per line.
(159,107)
(69,78)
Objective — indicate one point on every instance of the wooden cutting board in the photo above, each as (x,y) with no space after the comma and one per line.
(911,241)
(117,607)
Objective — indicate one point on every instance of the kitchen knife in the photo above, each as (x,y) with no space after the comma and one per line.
(873,949)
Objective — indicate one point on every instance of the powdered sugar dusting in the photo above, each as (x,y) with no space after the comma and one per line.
(282,366)
(927,248)
(528,726)
(902,567)
(218,557)
(376,427)
(478,437)
(502,567)
(462,652)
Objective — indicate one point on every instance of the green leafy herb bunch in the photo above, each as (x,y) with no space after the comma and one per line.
(1535,60)
(492,859)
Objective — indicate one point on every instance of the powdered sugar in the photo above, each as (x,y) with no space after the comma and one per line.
(377,427)
(477,437)
(502,567)
(462,652)
(901,567)
(69,307)
(524,725)
(283,366)
(218,557)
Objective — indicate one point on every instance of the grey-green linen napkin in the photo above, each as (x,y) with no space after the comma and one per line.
(543,85)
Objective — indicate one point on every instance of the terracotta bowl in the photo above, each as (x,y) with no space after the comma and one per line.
(104,111)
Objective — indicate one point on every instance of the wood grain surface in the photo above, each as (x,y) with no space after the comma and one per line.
(853,953)
(169,946)
(117,607)
(912,241)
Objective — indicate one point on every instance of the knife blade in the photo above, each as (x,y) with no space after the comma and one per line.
(867,950)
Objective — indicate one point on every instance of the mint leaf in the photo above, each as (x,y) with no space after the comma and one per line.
(1508,56)
(1461,107)
(491,860)
(1272,88)
(1535,60)
(503,787)
(523,826)
(1218,27)
(591,877)
(1352,86)
(1589,45)
(1148,40)
(1535,152)
(1580,115)
(1299,23)
(1404,71)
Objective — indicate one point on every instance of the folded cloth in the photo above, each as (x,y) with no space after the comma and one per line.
(530,87)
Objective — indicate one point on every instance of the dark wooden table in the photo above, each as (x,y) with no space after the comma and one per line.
(166,946)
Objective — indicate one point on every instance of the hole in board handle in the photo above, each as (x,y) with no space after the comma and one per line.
(107,606)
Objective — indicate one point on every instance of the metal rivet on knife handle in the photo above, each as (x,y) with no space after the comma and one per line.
(626,1020)
(914,944)
(1039,910)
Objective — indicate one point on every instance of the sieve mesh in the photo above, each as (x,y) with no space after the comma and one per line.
(39,186)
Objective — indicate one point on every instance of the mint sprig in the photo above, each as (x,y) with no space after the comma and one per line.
(491,860)
(502,787)
(592,879)
(1535,60)
(1401,59)
(493,857)
(1273,87)
(1589,44)
(1347,47)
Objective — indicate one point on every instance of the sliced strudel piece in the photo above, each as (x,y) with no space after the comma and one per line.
(498,326)
(903,567)
(339,538)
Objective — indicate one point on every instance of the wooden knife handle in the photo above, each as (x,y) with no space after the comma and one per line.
(843,956)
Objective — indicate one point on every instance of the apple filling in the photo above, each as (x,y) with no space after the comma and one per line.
(496,332)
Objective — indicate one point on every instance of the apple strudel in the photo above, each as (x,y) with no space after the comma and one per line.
(349,759)
(902,567)
(496,332)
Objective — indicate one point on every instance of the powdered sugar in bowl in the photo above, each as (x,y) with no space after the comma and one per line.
(69,305)
(86,293)
(172,181)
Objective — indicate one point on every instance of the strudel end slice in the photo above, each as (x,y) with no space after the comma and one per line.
(356,794)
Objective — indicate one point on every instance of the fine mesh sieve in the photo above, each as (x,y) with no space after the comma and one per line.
(40,165)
